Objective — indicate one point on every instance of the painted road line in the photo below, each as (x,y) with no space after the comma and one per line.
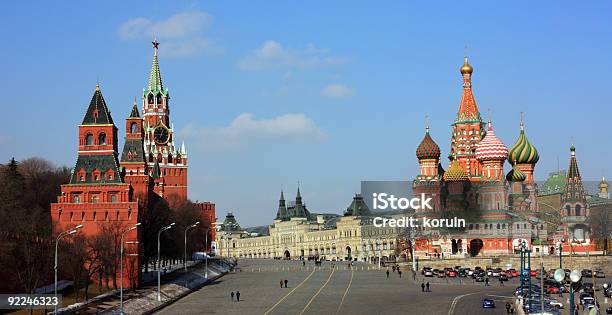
(286,295)
(455,300)
(318,291)
(501,296)
(345,293)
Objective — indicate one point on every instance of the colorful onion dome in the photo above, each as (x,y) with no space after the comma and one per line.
(491,147)
(523,152)
(455,173)
(466,68)
(428,149)
(515,175)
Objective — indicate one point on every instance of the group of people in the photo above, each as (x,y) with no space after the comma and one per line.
(395,268)
(237,294)
(425,287)
(509,308)
(283,282)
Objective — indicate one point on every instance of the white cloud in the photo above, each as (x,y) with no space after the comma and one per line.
(246,130)
(272,55)
(337,91)
(180,34)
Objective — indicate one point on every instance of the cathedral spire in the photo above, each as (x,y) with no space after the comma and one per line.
(155,81)
(468,110)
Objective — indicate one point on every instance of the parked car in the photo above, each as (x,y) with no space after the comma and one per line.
(552,290)
(441,274)
(533,273)
(556,303)
(599,274)
(609,310)
(452,273)
(503,278)
(479,279)
(587,273)
(488,303)
(586,299)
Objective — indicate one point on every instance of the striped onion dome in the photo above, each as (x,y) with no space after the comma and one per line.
(523,152)
(515,175)
(428,149)
(491,148)
(455,173)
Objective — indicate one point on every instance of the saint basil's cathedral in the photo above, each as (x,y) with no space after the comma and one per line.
(501,209)
(106,187)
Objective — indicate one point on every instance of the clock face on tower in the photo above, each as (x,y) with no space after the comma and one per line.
(161,135)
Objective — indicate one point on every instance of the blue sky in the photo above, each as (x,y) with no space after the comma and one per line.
(269,93)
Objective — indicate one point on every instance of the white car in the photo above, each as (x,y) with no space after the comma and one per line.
(470,272)
(555,303)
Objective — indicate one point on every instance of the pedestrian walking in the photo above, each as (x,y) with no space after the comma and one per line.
(232,295)
(286,283)
(486,281)
(238,296)
(400,273)
(393,267)
(427,286)
(501,282)
(507,307)
(281,283)
(303,263)
(387,273)
(422,287)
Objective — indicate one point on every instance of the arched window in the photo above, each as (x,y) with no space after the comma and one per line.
(134,128)
(89,139)
(102,138)
(151,157)
(568,209)
(159,99)
(150,98)
(578,208)
(170,158)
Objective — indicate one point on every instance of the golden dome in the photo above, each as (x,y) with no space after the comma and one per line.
(466,68)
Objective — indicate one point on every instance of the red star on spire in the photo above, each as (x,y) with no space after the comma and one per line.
(155,43)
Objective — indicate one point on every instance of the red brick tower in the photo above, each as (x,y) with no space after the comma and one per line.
(96,196)
(159,139)
(133,162)
(468,128)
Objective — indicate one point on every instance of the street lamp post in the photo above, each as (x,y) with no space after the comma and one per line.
(167,227)
(62,234)
(121,264)
(561,254)
(185,248)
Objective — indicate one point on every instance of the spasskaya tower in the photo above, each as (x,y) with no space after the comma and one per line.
(166,161)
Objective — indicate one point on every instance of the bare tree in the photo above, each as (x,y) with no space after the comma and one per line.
(600,223)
